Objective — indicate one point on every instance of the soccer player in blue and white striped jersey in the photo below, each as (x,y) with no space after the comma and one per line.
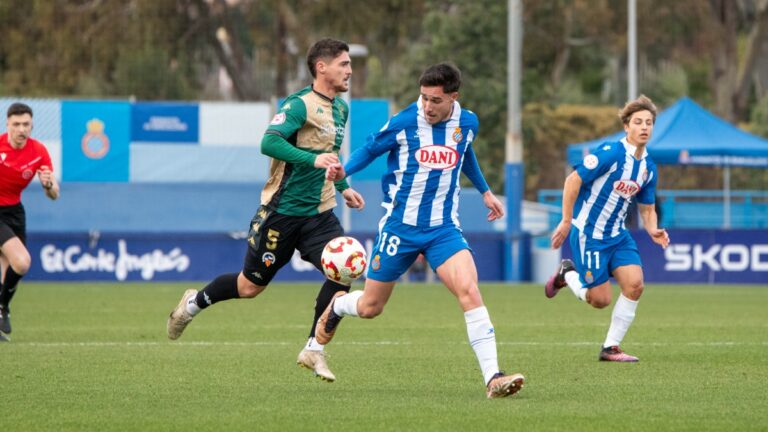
(595,201)
(428,144)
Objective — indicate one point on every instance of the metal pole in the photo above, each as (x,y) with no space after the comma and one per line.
(515,261)
(631,49)
(727,197)
(344,152)
(355,51)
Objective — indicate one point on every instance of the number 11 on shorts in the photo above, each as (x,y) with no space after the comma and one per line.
(589,259)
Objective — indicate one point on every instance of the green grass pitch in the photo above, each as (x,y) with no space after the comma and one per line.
(95,357)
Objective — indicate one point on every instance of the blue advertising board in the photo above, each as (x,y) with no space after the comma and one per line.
(165,122)
(695,256)
(182,257)
(95,141)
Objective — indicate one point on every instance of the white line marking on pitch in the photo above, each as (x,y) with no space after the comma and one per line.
(213,343)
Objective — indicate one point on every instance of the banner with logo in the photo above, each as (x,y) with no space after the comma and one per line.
(704,256)
(694,256)
(95,141)
(165,122)
(186,257)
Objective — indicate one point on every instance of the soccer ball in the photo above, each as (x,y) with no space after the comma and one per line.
(343,260)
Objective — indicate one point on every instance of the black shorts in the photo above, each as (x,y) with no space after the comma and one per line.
(13,223)
(273,237)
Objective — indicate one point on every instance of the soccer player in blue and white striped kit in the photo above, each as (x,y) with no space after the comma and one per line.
(596,197)
(428,144)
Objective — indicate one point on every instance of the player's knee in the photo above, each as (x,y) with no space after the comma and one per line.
(21,264)
(634,290)
(599,302)
(249,290)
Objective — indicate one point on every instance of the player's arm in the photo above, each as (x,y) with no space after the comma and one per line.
(277,147)
(646,203)
(45,174)
(651,224)
(285,124)
(471,168)
(376,145)
(570,192)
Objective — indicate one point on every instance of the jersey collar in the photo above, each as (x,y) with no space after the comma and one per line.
(631,149)
(455,113)
(322,96)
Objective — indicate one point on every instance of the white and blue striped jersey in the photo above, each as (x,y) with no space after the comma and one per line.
(611,176)
(421,184)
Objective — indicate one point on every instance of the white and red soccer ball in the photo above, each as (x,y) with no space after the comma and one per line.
(344,260)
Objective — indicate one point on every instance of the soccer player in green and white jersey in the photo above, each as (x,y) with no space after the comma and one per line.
(296,211)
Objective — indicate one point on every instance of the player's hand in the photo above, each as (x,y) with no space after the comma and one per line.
(560,234)
(325,160)
(493,203)
(353,199)
(46,176)
(335,172)
(660,237)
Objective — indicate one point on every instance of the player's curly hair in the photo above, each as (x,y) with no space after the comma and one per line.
(443,75)
(325,49)
(643,103)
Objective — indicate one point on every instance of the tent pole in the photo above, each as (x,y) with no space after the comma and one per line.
(631,49)
(727,197)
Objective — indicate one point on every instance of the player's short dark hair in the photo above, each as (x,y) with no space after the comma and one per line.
(643,103)
(325,49)
(19,108)
(443,75)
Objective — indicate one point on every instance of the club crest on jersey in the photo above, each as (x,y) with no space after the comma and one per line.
(626,188)
(268,258)
(645,176)
(437,157)
(95,144)
(457,135)
(27,174)
(376,263)
(278,119)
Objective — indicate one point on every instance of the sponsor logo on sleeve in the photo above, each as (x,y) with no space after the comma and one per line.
(278,119)
(590,162)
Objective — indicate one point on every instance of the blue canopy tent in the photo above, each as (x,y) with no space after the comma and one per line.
(687,134)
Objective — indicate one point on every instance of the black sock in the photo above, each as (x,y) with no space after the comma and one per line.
(323,298)
(222,288)
(9,286)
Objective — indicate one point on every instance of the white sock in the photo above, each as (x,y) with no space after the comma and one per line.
(192,307)
(574,283)
(621,318)
(482,338)
(346,305)
(312,345)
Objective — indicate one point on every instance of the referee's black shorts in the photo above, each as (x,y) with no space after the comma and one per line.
(13,223)
(271,244)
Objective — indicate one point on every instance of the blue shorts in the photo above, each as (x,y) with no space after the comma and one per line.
(398,245)
(596,259)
